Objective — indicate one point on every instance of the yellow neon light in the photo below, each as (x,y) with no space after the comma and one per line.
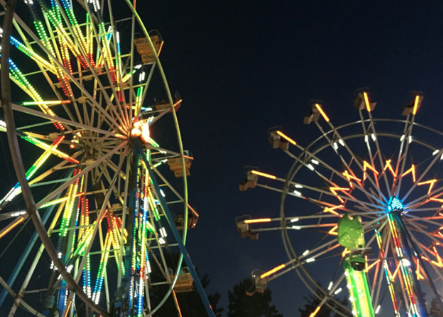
(286,137)
(263,174)
(333,231)
(436,199)
(272,271)
(258,220)
(419,276)
(417,99)
(332,210)
(322,112)
(370,266)
(412,171)
(333,190)
(345,251)
(430,182)
(396,271)
(388,165)
(368,106)
(13,225)
(349,176)
(366,165)
(67,308)
(315,312)
(56,102)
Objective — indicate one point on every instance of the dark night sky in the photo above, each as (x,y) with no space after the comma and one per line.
(242,67)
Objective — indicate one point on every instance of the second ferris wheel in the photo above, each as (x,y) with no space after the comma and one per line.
(366,195)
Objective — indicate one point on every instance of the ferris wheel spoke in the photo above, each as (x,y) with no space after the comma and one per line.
(42,69)
(76,177)
(429,254)
(67,73)
(406,137)
(419,229)
(348,178)
(367,206)
(363,170)
(123,116)
(425,199)
(368,146)
(437,158)
(423,209)
(72,123)
(375,138)
(177,194)
(116,43)
(424,219)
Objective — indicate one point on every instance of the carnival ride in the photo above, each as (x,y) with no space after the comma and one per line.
(384,171)
(98,185)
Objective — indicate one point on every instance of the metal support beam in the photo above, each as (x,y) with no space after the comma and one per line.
(182,247)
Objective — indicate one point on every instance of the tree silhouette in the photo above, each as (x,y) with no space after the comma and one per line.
(312,303)
(190,303)
(435,310)
(257,305)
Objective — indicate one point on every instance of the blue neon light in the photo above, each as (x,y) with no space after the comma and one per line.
(395,204)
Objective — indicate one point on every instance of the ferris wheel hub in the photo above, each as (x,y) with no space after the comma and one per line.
(395,204)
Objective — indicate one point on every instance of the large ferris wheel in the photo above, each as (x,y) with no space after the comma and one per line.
(87,109)
(380,177)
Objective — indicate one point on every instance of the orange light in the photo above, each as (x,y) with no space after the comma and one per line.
(13,225)
(412,171)
(366,165)
(419,276)
(438,257)
(417,99)
(425,258)
(272,271)
(263,174)
(257,220)
(333,231)
(368,106)
(67,308)
(370,266)
(322,112)
(430,182)
(388,165)
(315,312)
(286,137)
(396,271)
(349,176)
(136,132)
